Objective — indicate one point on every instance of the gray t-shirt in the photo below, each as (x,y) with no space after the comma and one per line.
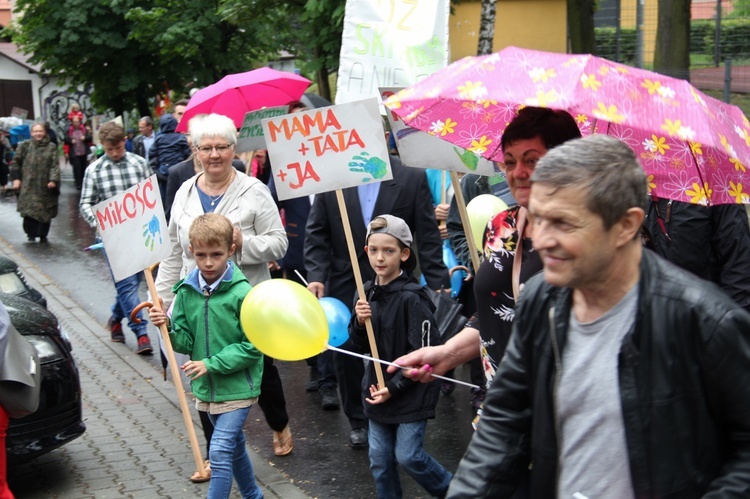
(593,461)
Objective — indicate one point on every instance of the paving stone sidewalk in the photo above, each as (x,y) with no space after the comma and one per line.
(135,444)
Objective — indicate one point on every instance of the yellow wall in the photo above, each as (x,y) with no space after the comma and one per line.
(534,24)
(650,20)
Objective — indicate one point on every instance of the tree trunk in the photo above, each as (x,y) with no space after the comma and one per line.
(142,105)
(581,26)
(486,27)
(672,54)
(324,86)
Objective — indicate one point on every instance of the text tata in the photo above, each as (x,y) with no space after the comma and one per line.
(131,205)
(319,122)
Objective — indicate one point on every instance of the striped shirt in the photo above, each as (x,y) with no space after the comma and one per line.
(106,178)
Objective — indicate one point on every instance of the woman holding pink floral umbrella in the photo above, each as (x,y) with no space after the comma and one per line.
(509,257)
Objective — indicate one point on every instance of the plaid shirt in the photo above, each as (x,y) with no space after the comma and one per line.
(106,178)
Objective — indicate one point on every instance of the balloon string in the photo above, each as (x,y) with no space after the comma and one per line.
(367,357)
(300,276)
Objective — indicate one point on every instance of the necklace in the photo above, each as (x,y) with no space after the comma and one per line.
(215,199)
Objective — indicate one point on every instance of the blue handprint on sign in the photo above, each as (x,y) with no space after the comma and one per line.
(149,233)
(366,164)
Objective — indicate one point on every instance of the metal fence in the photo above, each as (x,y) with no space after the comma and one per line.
(719,43)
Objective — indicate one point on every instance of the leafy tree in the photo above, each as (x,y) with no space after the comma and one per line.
(200,41)
(309,29)
(87,42)
(741,9)
(130,50)
(326,17)
(672,54)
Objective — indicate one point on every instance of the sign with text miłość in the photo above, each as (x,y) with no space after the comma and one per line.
(133,228)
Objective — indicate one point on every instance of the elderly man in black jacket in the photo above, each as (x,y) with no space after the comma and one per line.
(625,376)
(329,269)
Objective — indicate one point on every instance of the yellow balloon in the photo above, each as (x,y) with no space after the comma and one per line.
(481,210)
(284,320)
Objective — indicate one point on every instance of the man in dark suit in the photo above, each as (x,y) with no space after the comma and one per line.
(145,139)
(329,269)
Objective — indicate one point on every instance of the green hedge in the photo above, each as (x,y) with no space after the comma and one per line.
(700,30)
(735,39)
(606,44)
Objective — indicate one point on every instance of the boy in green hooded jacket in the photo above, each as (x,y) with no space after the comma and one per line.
(225,368)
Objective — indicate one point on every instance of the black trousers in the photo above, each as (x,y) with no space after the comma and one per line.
(35,228)
(349,373)
(272,401)
(79,164)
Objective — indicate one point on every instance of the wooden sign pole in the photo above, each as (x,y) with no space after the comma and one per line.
(174,368)
(461,203)
(360,285)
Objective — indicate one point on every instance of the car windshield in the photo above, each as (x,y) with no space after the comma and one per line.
(10,283)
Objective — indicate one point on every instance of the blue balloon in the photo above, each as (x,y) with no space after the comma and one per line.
(338,317)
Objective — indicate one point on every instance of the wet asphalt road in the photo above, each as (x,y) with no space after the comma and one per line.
(322,464)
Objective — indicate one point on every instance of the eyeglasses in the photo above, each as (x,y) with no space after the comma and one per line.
(218,149)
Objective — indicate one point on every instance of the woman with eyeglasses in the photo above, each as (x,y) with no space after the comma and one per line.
(259,237)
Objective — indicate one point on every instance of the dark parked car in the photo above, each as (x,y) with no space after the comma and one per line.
(58,419)
(13,282)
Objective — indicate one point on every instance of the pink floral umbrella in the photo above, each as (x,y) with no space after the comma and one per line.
(693,147)
(236,94)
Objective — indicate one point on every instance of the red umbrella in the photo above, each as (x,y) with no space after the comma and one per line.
(236,94)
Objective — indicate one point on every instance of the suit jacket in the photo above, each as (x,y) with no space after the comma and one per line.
(406,196)
(138,147)
(296,211)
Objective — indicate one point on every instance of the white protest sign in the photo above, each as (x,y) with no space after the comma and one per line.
(133,228)
(423,150)
(328,148)
(251,135)
(390,44)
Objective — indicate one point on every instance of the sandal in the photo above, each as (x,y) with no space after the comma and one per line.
(282,442)
(196,477)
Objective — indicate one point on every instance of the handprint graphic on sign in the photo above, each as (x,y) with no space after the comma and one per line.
(364,163)
(150,230)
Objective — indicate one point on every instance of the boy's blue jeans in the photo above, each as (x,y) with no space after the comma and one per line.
(127,299)
(229,457)
(394,444)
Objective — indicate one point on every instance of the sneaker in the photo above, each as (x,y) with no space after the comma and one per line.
(358,438)
(115,329)
(329,398)
(144,346)
(312,383)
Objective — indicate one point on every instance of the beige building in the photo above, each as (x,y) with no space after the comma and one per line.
(532,24)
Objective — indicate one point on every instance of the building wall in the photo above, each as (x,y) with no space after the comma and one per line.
(534,24)
(628,13)
(51,101)
(10,70)
(6,7)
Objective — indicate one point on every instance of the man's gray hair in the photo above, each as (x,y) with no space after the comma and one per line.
(213,125)
(605,169)
(147,120)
